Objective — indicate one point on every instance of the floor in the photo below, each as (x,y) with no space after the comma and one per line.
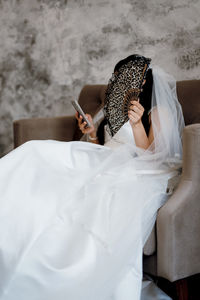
(170,288)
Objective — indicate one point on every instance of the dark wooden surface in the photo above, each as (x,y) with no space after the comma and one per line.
(187,289)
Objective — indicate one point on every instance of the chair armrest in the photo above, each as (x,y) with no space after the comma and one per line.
(57,128)
(178,221)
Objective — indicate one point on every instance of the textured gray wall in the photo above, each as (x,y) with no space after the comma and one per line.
(50,49)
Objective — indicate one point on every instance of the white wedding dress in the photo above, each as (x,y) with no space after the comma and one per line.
(74,217)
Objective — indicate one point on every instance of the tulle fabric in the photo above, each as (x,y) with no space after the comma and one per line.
(75,216)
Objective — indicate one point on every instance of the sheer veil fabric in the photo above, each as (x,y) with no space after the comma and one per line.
(75,216)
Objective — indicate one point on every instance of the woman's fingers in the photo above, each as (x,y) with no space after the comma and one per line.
(136,111)
(84,128)
(80,120)
(82,125)
(133,116)
(137,104)
(135,108)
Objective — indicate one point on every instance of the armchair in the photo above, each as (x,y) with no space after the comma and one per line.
(173,248)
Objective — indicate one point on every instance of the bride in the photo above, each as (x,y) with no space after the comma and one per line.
(74,216)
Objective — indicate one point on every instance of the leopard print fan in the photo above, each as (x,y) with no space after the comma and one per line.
(123,86)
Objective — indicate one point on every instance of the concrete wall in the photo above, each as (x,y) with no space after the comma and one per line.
(50,49)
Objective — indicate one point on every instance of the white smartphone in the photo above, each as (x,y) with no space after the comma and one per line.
(80,111)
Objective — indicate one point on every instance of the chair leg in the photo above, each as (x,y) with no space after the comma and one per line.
(182,289)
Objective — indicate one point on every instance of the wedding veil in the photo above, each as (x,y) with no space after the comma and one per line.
(167,123)
(167,117)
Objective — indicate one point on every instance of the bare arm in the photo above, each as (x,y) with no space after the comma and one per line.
(140,136)
(139,133)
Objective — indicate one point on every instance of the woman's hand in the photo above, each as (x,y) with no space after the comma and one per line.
(90,130)
(135,113)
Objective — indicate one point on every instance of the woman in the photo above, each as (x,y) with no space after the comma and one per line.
(75,216)
(139,117)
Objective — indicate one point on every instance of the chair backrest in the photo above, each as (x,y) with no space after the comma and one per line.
(92,99)
(188,92)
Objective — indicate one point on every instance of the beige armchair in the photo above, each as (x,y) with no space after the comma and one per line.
(173,248)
